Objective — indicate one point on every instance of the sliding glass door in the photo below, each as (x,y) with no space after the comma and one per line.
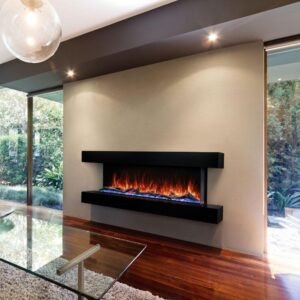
(31,148)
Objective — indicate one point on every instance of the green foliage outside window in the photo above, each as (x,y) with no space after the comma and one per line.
(47,149)
(13,157)
(283,145)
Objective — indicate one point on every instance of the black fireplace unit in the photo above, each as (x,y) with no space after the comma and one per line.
(166,183)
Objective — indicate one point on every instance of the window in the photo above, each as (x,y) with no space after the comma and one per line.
(13,145)
(283,124)
(48,150)
(31,148)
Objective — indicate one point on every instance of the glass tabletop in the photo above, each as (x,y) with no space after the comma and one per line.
(84,262)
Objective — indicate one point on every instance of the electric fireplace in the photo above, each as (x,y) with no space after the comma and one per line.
(159,183)
(167,183)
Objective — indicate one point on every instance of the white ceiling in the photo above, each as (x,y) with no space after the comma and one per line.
(82,16)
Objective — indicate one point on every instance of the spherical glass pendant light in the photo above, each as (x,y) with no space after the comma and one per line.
(31,29)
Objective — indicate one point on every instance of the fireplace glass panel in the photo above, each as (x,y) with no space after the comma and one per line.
(179,184)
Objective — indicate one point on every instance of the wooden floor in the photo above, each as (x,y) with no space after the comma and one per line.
(179,270)
(174,269)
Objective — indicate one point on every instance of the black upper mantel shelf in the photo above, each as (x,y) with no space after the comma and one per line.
(183,159)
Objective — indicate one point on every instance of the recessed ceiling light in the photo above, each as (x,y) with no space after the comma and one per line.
(213,37)
(279,79)
(70,73)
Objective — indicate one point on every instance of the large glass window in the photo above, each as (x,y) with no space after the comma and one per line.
(283,124)
(31,148)
(48,150)
(13,145)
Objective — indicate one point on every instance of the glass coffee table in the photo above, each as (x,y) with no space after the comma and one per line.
(83,262)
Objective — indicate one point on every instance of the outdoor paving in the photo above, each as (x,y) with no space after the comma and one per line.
(284,243)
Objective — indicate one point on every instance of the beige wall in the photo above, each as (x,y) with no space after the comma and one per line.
(205,102)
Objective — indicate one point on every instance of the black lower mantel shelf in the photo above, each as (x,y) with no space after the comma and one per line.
(206,213)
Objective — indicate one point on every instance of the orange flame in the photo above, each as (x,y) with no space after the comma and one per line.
(144,184)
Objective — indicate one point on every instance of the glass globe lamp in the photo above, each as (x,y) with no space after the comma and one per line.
(31,29)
